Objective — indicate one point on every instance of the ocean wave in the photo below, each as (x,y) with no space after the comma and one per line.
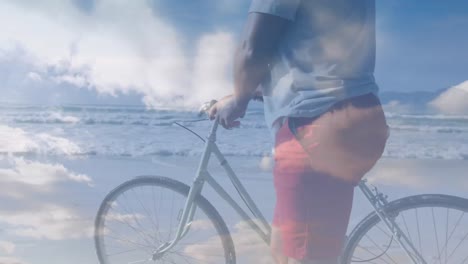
(428,117)
(94,109)
(186,153)
(112,121)
(433,129)
(426,152)
(84,131)
(47,118)
(52,146)
(255,153)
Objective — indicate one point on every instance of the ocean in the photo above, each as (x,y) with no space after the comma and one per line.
(133,131)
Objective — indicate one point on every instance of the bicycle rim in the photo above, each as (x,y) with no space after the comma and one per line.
(139,216)
(436,225)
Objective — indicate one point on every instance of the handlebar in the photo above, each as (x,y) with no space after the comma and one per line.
(204,108)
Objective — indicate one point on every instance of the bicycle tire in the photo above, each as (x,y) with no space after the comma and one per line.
(399,208)
(164,184)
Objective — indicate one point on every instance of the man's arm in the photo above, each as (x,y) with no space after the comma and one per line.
(258,45)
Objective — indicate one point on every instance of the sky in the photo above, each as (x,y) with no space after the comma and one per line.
(152,51)
(163,53)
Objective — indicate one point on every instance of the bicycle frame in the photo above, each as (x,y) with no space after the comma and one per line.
(263,229)
(377,199)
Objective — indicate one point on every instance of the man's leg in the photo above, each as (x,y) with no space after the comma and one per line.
(312,209)
(276,246)
(314,261)
(280,258)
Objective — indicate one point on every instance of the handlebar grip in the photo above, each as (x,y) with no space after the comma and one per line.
(206,107)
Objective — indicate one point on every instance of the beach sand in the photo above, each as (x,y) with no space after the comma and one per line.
(397,178)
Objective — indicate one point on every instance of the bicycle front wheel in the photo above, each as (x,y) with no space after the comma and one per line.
(140,215)
(436,225)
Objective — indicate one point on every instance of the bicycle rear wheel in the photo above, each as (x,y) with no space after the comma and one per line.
(437,226)
(142,214)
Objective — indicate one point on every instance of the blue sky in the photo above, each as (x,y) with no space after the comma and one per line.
(426,47)
(83,51)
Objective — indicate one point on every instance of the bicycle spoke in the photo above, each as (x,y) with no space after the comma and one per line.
(356,259)
(419,233)
(435,224)
(374,256)
(436,235)
(146,211)
(375,244)
(465,260)
(122,252)
(383,231)
(407,229)
(156,217)
(140,233)
(135,218)
(127,240)
(459,244)
(144,235)
(452,232)
(446,233)
(142,218)
(187,256)
(172,213)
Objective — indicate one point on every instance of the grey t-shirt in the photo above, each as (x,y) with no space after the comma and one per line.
(327,55)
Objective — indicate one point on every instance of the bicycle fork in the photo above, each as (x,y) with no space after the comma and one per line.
(378,201)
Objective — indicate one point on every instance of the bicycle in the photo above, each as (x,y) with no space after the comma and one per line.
(196,232)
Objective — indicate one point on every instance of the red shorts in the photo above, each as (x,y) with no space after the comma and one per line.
(315,176)
(312,209)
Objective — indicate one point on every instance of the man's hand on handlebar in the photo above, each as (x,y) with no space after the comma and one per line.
(258,96)
(227,110)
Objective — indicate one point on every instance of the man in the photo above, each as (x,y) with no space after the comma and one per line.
(314,62)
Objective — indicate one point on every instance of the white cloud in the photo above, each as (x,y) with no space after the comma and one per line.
(250,248)
(50,222)
(120,47)
(418,175)
(453,101)
(34,76)
(396,106)
(250,245)
(7,247)
(37,173)
(30,207)
(16,140)
(399,176)
(11,260)
(266,163)
(126,218)
(211,66)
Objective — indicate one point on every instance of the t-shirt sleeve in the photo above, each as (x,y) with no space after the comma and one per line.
(283,8)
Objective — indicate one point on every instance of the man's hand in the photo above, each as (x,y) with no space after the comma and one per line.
(256,50)
(227,110)
(258,96)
